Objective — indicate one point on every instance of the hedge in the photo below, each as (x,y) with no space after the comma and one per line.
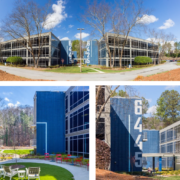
(15,60)
(142,60)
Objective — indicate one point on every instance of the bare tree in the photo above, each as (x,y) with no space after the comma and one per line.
(128,17)
(27,19)
(98,16)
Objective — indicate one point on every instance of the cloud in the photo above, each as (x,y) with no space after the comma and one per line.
(171,87)
(70,26)
(14,105)
(57,16)
(169,23)
(67,31)
(152,110)
(65,38)
(70,16)
(147,19)
(83,35)
(1,39)
(149,100)
(7,93)
(6,99)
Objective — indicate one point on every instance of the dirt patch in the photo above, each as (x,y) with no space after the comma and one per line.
(10,77)
(109,175)
(173,75)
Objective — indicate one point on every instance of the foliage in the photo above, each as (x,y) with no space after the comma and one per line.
(15,60)
(142,60)
(168,109)
(120,93)
(18,151)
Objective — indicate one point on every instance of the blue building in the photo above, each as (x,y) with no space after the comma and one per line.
(61,121)
(150,145)
(91,54)
(126,134)
(66,51)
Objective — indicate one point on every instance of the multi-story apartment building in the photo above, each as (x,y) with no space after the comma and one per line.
(52,50)
(134,47)
(169,142)
(77,121)
(61,121)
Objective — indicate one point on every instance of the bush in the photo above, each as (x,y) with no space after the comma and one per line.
(142,60)
(15,60)
(162,62)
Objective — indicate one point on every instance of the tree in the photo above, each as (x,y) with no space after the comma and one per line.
(168,109)
(75,47)
(27,19)
(120,93)
(98,17)
(128,16)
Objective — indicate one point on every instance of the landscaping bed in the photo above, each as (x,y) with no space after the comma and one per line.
(173,75)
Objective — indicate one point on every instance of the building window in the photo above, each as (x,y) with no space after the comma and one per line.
(79,120)
(163,138)
(100,129)
(66,125)
(79,145)
(78,95)
(66,104)
(144,135)
(170,135)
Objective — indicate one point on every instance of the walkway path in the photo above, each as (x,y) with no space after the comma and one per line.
(79,173)
(123,76)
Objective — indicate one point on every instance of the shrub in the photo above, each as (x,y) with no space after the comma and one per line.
(142,60)
(15,60)
(162,62)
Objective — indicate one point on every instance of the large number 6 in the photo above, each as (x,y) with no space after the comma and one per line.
(138,108)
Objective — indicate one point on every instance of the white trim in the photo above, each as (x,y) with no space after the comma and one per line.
(45,133)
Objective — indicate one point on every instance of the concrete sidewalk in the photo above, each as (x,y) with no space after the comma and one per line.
(79,173)
(123,76)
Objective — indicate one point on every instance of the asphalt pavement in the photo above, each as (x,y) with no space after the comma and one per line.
(123,76)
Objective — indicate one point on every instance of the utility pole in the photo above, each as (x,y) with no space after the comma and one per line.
(80,47)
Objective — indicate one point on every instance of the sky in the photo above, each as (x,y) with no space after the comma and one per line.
(151,93)
(14,96)
(66,15)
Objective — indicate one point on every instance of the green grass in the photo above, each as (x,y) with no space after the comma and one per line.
(178,64)
(48,172)
(19,151)
(71,69)
(168,178)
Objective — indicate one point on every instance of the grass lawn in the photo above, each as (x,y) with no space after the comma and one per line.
(71,69)
(19,151)
(48,172)
(178,64)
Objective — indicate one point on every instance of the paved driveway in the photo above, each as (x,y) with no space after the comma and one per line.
(123,76)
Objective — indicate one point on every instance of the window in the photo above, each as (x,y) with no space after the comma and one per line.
(144,135)
(79,120)
(163,137)
(100,129)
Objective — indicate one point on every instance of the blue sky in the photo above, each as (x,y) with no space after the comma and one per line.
(151,93)
(163,11)
(23,95)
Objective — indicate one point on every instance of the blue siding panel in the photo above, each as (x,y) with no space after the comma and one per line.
(66,51)
(124,135)
(91,53)
(51,109)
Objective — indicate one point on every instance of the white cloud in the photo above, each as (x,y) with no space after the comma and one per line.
(83,35)
(169,23)
(65,38)
(6,99)
(1,39)
(7,93)
(171,87)
(67,31)
(152,110)
(147,19)
(70,26)
(70,16)
(14,105)
(149,100)
(57,16)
